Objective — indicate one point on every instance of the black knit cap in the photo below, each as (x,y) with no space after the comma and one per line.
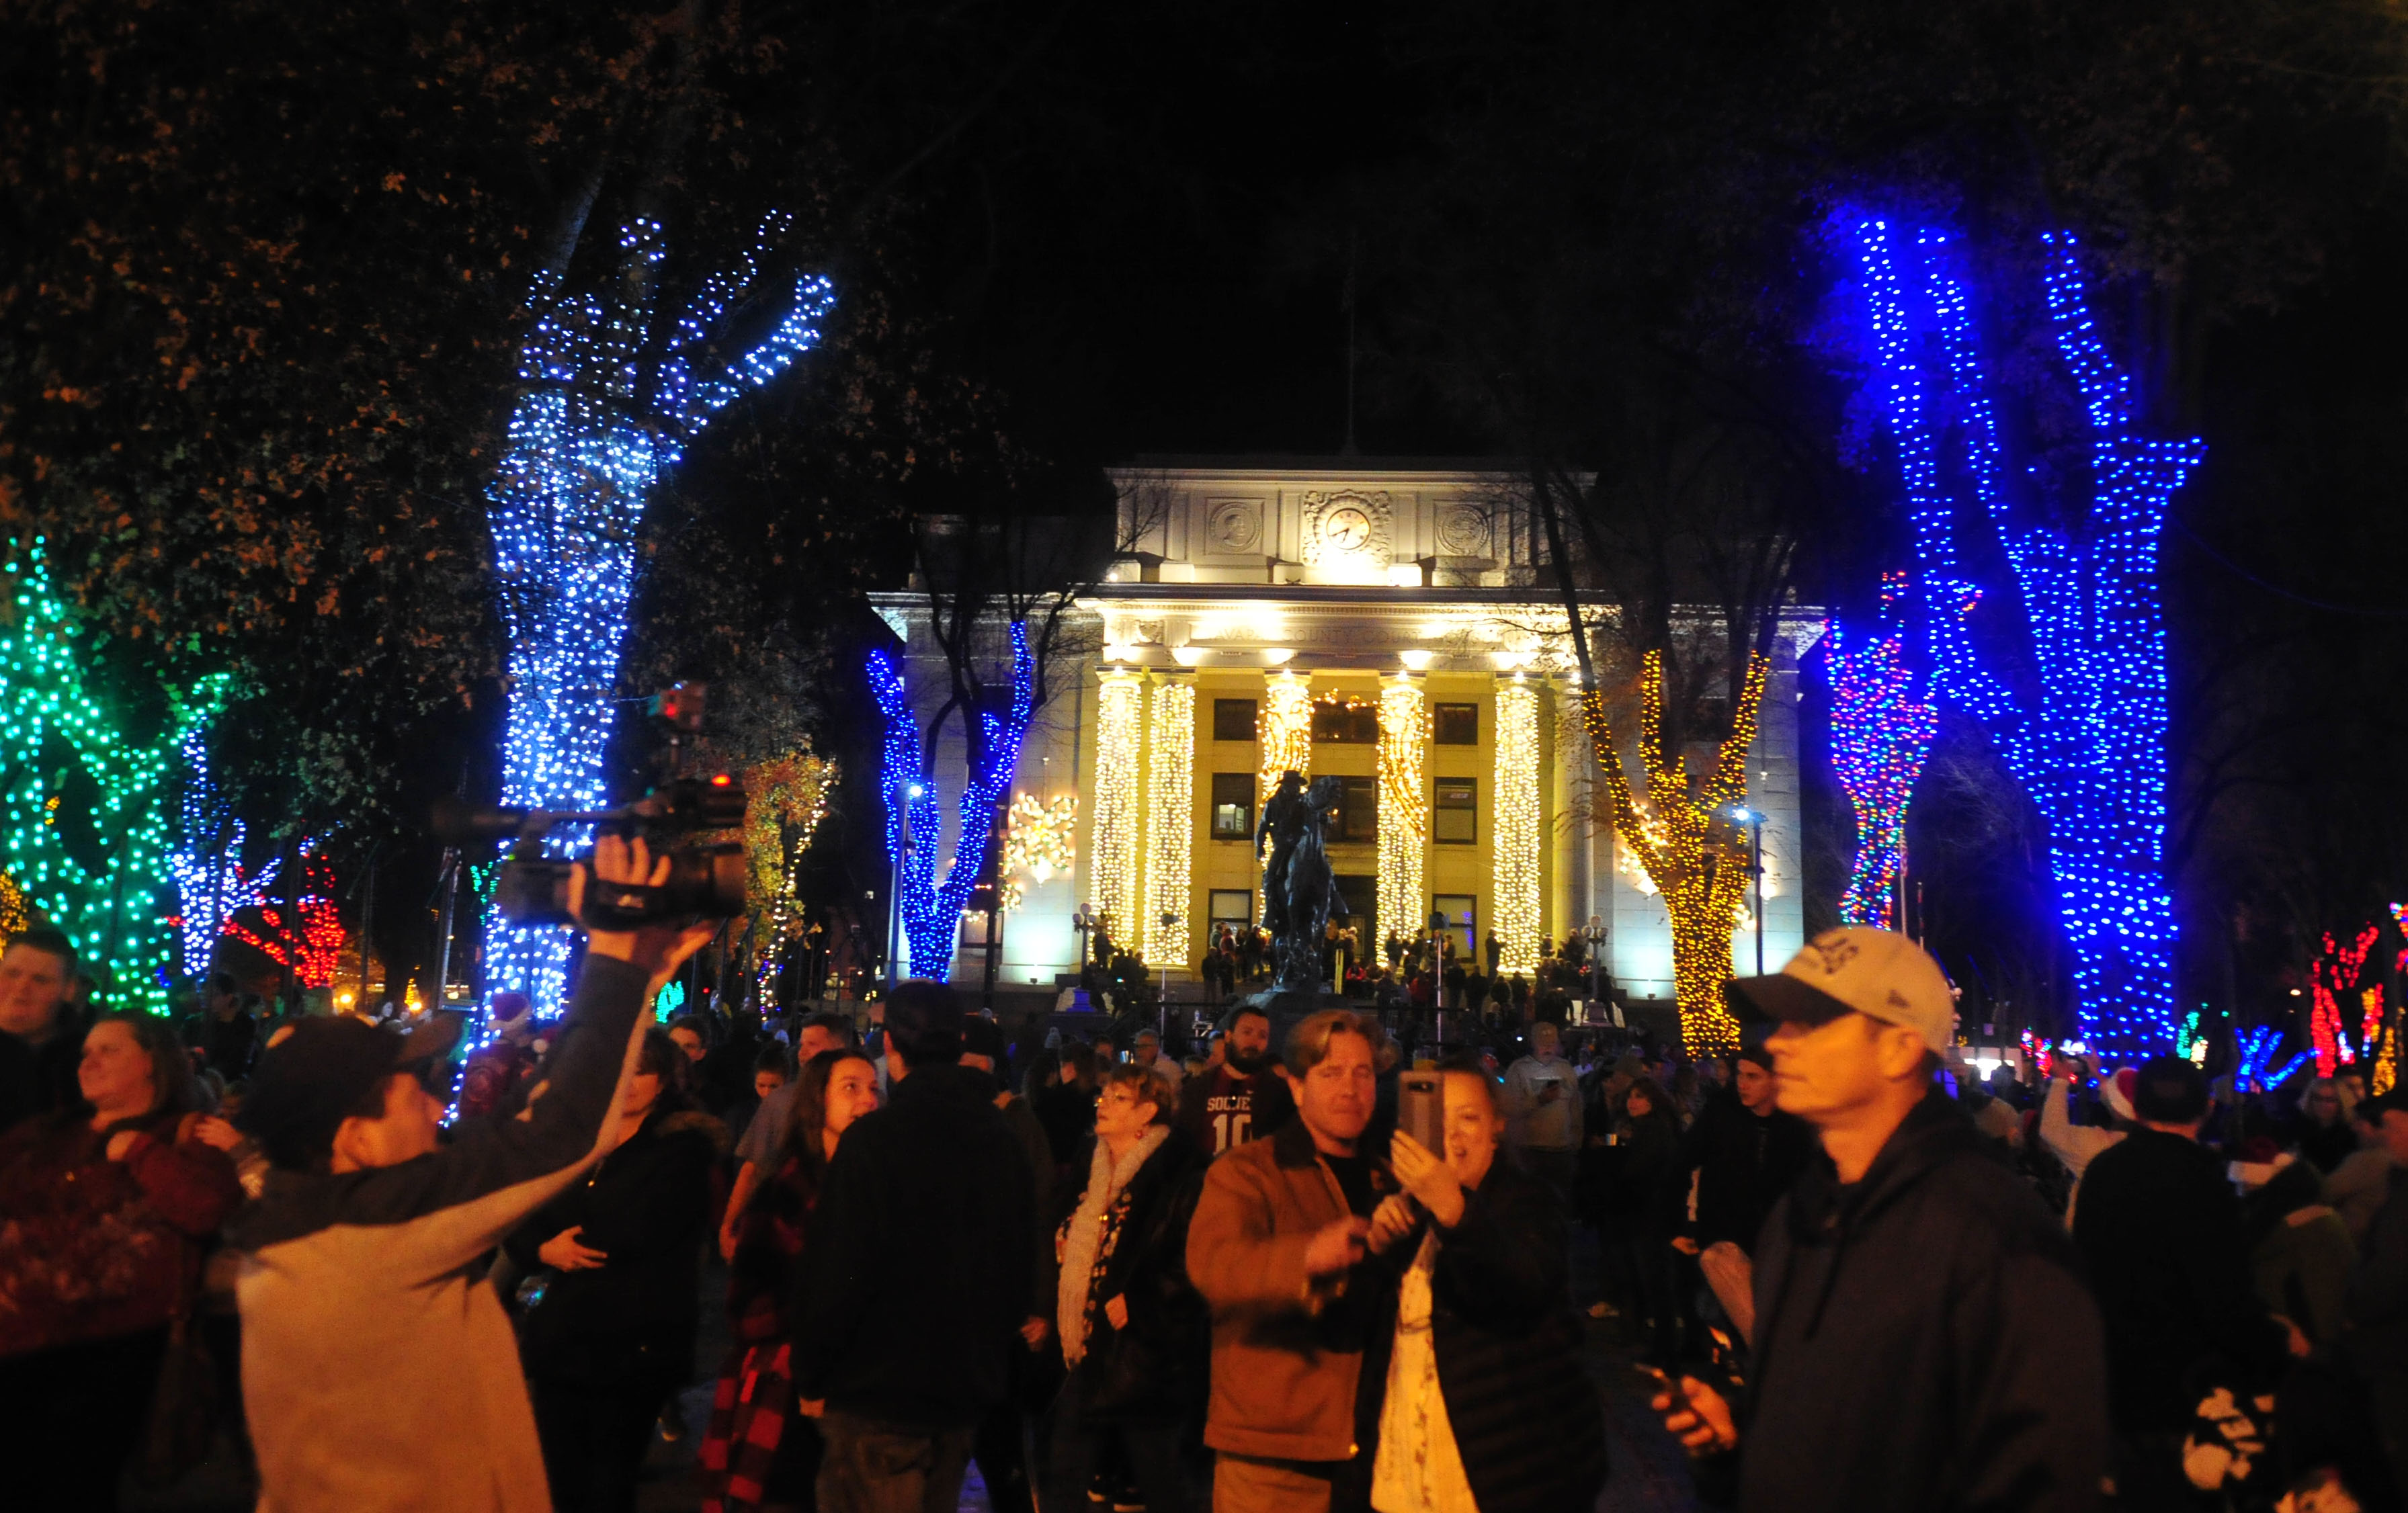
(317,1075)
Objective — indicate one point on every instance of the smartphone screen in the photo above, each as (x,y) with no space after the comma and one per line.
(1420,1109)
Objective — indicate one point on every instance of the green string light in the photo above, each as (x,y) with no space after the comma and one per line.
(64,760)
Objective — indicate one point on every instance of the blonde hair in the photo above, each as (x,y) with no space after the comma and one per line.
(1308,1044)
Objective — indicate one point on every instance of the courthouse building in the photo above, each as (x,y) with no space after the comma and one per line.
(1385,623)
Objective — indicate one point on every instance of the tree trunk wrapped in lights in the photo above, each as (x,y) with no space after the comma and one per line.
(931,910)
(2082,726)
(1881,733)
(1682,837)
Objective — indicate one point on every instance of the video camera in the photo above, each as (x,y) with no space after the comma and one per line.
(704,880)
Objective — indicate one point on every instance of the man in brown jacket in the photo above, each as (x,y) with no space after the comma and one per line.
(1278,1248)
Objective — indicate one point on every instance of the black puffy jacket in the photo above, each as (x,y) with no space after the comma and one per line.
(1923,1340)
(647,1206)
(1526,1419)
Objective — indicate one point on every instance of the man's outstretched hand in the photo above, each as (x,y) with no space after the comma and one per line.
(1695,1414)
(660,950)
(1339,1246)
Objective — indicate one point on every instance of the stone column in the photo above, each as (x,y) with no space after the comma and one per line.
(1170,819)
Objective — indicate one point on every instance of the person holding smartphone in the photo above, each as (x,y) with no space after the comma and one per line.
(1486,1404)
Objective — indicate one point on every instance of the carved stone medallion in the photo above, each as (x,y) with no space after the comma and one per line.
(1234,527)
(1462,530)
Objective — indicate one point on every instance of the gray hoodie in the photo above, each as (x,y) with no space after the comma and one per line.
(378,1368)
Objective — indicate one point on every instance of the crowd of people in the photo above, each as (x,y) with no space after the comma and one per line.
(1320,1274)
(1429,972)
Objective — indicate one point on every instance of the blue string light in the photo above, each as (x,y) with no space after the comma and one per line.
(600,424)
(2257,1048)
(2088,741)
(210,889)
(932,913)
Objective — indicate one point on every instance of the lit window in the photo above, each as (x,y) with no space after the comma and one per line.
(1455,819)
(1233,805)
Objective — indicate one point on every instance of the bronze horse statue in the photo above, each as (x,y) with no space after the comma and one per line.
(1312,895)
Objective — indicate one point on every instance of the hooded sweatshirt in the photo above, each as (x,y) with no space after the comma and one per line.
(377,1369)
(1923,1340)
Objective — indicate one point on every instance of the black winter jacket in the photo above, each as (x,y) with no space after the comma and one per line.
(2169,1259)
(1526,1417)
(916,1279)
(1923,1340)
(1156,1368)
(1744,1163)
(647,1206)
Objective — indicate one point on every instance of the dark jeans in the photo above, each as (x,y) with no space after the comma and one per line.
(71,1417)
(873,1467)
(1646,1261)
(594,1441)
(1151,1451)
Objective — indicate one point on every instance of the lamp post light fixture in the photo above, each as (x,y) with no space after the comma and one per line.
(1596,933)
(1082,918)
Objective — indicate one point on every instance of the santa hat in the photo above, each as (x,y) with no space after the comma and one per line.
(2117,1091)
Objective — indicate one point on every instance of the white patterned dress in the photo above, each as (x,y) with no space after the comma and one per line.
(1418,1469)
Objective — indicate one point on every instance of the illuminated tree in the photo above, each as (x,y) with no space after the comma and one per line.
(2331,978)
(307,935)
(211,885)
(1683,834)
(1881,733)
(82,804)
(610,407)
(932,911)
(2078,705)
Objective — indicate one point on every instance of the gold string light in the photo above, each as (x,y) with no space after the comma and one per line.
(1513,850)
(1170,821)
(1041,838)
(1283,730)
(1682,837)
(1404,802)
(1120,736)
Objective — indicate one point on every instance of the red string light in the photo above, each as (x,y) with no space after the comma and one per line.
(311,951)
(2331,975)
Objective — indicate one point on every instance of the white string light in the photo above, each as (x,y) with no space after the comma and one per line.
(1404,804)
(1170,821)
(1120,734)
(1513,850)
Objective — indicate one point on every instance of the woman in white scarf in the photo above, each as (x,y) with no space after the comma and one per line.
(1129,1322)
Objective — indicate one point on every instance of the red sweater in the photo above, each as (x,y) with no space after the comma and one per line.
(93,1249)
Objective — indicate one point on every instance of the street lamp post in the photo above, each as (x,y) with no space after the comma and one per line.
(1595,935)
(1162,1010)
(1755,823)
(1082,918)
(895,887)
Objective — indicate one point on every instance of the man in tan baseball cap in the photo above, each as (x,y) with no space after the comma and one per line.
(1922,1336)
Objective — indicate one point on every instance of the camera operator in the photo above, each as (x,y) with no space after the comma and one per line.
(378,1368)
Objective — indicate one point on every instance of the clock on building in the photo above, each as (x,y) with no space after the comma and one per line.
(1347,530)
